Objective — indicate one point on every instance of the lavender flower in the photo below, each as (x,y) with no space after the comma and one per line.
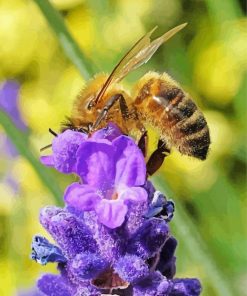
(113,237)
(9,103)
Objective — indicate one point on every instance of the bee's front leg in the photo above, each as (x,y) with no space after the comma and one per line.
(110,103)
(157,157)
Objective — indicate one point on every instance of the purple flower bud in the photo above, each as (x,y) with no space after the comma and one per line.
(149,238)
(131,268)
(87,265)
(154,285)
(72,235)
(185,287)
(54,285)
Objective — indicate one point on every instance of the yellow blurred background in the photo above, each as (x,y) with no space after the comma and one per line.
(208,58)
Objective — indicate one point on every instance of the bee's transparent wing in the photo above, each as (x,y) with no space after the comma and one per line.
(139,54)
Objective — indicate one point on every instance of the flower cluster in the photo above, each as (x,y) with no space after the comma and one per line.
(113,236)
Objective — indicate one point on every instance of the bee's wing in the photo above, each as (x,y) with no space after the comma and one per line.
(139,54)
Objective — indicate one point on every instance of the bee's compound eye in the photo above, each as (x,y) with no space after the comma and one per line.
(90,103)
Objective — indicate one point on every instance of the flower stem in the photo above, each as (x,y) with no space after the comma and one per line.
(20,140)
(70,47)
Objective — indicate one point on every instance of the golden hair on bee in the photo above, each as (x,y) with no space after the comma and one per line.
(157,100)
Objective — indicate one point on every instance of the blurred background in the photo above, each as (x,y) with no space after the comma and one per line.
(38,85)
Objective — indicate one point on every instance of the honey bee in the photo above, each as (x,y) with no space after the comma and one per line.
(157,100)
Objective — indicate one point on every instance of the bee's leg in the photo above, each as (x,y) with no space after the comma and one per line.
(157,157)
(110,103)
(143,143)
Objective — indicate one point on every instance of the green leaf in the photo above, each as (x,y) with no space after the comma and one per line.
(20,140)
(196,247)
(70,47)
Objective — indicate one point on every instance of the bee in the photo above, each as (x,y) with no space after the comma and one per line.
(157,100)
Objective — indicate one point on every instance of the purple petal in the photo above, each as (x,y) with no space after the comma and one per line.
(153,285)
(44,252)
(150,190)
(70,233)
(134,217)
(87,265)
(131,268)
(110,132)
(95,164)
(185,287)
(160,207)
(64,148)
(134,194)
(111,213)
(167,260)
(130,163)
(110,241)
(47,160)
(54,285)
(89,290)
(149,238)
(82,197)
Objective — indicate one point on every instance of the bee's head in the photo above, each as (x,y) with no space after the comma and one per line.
(87,97)
(75,124)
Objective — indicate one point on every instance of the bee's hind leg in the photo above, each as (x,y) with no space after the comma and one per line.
(157,157)
(109,104)
(143,143)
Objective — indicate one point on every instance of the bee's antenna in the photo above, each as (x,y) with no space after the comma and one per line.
(50,145)
(52,132)
(46,147)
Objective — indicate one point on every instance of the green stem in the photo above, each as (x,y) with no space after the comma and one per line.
(20,140)
(196,247)
(70,47)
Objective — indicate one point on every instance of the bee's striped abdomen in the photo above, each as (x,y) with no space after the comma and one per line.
(163,104)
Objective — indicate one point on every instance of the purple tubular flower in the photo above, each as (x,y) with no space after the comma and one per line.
(153,285)
(66,144)
(54,285)
(113,173)
(88,265)
(111,238)
(70,233)
(149,238)
(131,268)
(185,287)
(167,260)
(64,149)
